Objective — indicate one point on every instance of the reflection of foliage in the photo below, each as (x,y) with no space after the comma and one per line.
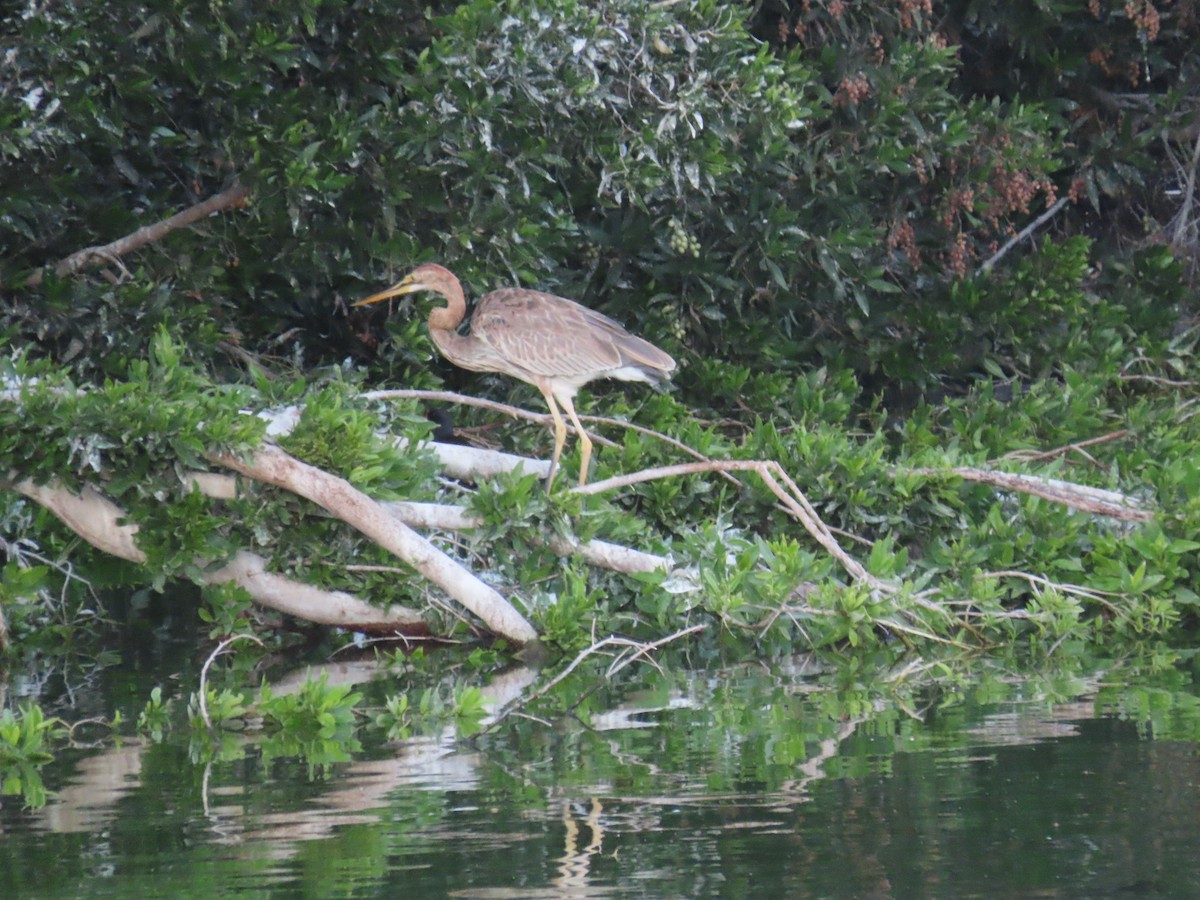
(155,719)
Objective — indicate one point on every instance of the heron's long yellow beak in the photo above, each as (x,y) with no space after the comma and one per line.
(405,285)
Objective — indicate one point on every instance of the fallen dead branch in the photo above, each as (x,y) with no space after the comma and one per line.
(517,412)
(473,463)
(1076,496)
(314,604)
(448,517)
(457,460)
(771,473)
(388,524)
(603,554)
(112,252)
(101,523)
(271,465)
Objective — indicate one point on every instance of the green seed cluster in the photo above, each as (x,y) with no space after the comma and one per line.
(682,242)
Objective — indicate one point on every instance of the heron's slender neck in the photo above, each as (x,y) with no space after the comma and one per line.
(460,349)
(450,316)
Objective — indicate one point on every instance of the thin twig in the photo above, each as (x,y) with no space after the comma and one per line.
(641,648)
(793,500)
(514,412)
(1159,380)
(1065,587)
(204,672)
(1189,194)
(1033,455)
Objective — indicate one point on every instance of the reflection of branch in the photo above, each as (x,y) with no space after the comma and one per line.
(575,865)
(148,234)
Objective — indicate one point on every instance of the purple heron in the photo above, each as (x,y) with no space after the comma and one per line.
(550,342)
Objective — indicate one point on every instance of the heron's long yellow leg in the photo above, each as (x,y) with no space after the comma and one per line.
(560,435)
(585,442)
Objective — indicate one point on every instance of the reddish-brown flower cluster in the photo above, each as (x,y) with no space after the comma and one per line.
(918,166)
(959,255)
(1144,15)
(1103,59)
(974,209)
(852,91)
(876,42)
(910,9)
(1013,192)
(958,201)
(902,237)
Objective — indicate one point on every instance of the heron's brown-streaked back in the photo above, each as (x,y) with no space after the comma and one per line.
(555,338)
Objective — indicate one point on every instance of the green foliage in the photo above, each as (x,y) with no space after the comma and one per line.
(315,709)
(226,610)
(27,739)
(227,710)
(25,735)
(334,435)
(568,618)
(395,718)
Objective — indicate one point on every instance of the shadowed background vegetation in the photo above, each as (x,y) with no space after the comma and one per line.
(799,200)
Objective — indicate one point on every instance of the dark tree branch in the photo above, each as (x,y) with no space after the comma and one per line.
(1024,233)
(233,197)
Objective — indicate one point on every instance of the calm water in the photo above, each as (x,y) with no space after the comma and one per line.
(792,781)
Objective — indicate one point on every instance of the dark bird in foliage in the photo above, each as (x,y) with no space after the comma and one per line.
(552,343)
(444,432)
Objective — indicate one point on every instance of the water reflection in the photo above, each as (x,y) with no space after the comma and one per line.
(739,784)
(88,802)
